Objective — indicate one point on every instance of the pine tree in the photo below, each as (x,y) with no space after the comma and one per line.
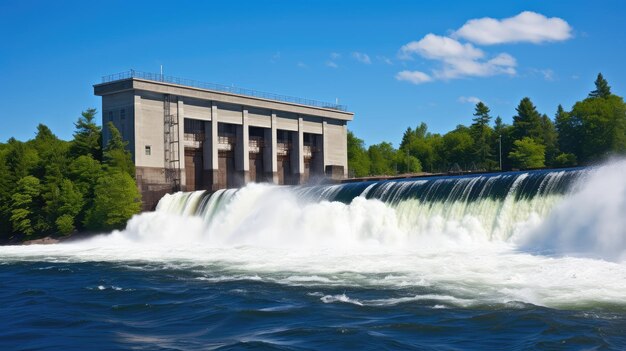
(88,136)
(603,90)
(115,154)
(527,122)
(481,133)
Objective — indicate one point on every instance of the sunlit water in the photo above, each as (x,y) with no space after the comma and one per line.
(514,261)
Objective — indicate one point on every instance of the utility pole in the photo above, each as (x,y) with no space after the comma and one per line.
(500,142)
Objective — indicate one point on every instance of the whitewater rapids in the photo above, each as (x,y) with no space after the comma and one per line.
(548,238)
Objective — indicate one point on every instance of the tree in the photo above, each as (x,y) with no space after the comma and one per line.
(66,202)
(383,159)
(458,148)
(88,136)
(528,153)
(116,200)
(481,133)
(24,205)
(549,139)
(565,160)
(424,146)
(115,155)
(600,126)
(358,160)
(603,90)
(568,131)
(407,163)
(527,122)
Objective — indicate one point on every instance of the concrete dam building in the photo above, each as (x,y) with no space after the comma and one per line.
(188,135)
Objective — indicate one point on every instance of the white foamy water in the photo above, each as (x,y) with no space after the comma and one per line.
(550,249)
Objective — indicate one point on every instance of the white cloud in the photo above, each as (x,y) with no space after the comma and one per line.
(361,57)
(458,60)
(469,99)
(415,77)
(335,55)
(527,26)
(302,65)
(437,47)
(331,64)
(548,74)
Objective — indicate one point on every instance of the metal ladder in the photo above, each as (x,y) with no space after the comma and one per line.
(171,143)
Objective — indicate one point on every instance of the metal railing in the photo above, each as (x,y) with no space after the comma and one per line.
(222,88)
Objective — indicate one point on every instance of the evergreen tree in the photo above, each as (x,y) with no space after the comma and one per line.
(603,90)
(527,122)
(88,136)
(115,154)
(481,133)
(549,139)
(25,205)
(567,131)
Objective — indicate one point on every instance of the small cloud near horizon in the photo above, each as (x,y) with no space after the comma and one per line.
(469,99)
(361,57)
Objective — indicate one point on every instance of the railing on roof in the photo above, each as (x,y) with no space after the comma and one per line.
(218,87)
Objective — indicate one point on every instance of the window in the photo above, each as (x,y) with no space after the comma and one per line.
(122,114)
(148,150)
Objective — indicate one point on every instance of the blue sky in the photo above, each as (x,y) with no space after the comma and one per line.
(394,63)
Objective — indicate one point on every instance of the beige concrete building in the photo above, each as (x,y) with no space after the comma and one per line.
(187,135)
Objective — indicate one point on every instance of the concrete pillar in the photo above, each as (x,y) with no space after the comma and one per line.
(344,135)
(297,153)
(270,152)
(181,140)
(242,151)
(210,154)
(138,151)
(324,145)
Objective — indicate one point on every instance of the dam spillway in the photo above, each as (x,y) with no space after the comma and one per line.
(497,205)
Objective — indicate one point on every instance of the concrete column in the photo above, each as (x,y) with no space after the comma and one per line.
(181,141)
(242,152)
(297,153)
(138,151)
(344,135)
(270,152)
(324,146)
(210,154)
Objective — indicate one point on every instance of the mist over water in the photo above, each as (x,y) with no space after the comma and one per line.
(549,238)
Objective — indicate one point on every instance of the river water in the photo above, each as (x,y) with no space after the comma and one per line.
(516,261)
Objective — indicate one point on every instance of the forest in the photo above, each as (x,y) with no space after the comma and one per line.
(49,186)
(592,130)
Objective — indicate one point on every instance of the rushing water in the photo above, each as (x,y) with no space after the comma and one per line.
(524,260)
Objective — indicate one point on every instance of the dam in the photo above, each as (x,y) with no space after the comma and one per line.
(189,135)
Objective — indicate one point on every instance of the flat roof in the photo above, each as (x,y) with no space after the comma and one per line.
(160,78)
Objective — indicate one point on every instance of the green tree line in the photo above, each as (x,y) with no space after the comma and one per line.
(49,186)
(592,130)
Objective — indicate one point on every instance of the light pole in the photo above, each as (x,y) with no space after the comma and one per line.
(500,142)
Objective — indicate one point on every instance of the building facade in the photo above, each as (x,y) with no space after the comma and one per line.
(187,135)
